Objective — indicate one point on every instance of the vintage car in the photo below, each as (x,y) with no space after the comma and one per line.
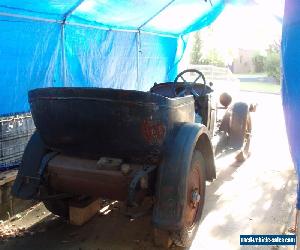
(126,145)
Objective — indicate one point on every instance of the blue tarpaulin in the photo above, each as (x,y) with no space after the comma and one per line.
(118,44)
(99,43)
(291,79)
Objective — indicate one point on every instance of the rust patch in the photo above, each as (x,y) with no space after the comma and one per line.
(153,132)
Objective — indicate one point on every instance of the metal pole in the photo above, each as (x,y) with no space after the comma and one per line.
(37,19)
(63,54)
(46,20)
(156,14)
(138,51)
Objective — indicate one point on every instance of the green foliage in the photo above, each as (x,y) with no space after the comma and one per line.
(259,63)
(213,58)
(275,47)
(273,61)
(260,87)
(197,56)
(273,65)
(196,52)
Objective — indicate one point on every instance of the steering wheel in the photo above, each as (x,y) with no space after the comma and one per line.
(187,86)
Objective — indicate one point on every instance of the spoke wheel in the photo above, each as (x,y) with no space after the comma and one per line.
(58,207)
(192,209)
(185,87)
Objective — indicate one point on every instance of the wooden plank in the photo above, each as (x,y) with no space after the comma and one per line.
(7,176)
(79,215)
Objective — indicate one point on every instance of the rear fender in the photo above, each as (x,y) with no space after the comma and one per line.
(171,182)
(26,185)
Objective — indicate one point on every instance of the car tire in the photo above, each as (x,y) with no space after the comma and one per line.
(239,123)
(240,130)
(58,207)
(192,212)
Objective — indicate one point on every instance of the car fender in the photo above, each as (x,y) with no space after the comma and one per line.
(172,176)
(234,123)
(28,179)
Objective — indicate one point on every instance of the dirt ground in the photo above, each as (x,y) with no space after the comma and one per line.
(257,197)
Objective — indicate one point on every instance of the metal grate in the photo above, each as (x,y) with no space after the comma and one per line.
(15,132)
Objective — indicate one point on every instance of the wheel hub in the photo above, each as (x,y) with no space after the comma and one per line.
(195,197)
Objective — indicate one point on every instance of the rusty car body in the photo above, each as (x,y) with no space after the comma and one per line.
(126,145)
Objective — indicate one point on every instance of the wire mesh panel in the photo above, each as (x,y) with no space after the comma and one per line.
(15,131)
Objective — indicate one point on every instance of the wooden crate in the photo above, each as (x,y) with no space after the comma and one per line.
(82,212)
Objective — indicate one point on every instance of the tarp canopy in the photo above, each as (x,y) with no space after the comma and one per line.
(128,44)
(291,79)
(119,44)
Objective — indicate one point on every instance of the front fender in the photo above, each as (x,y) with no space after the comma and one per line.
(171,182)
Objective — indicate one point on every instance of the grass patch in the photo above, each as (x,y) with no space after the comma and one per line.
(260,87)
(251,75)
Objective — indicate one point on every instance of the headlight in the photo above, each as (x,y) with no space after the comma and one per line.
(225,99)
